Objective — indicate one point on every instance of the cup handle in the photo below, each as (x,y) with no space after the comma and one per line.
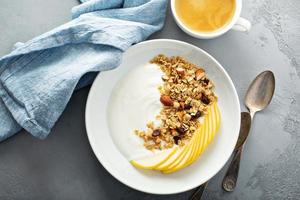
(242,25)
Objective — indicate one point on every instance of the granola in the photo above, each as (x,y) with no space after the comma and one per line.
(186,94)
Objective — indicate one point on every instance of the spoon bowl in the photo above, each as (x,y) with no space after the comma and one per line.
(260,92)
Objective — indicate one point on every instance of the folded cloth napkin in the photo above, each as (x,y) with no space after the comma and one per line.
(38,77)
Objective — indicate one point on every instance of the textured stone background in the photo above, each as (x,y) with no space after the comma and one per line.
(64,167)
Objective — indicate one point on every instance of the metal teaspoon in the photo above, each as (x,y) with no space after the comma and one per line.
(258,97)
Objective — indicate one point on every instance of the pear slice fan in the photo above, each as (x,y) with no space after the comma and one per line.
(179,157)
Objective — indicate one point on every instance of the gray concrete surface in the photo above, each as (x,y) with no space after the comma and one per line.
(64,167)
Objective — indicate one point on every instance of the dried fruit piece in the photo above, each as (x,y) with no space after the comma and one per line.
(205,81)
(187,106)
(205,99)
(156,133)
(181,130)
(166,100)
(196,115)
(176,139)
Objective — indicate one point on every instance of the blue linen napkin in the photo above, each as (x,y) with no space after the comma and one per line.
(38,77)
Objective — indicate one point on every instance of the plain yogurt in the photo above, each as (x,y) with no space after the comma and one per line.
(133,103)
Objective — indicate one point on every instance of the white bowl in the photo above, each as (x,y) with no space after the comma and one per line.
(154,182)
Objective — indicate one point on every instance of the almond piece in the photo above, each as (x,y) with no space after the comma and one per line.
(180,71)
(199,74)
(166,100)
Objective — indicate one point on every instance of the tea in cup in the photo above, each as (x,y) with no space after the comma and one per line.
(209,18)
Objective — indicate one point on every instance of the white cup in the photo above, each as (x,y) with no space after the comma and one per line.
(237,23)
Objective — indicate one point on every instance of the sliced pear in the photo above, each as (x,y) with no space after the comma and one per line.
(200,137)
(214,122)
(218,118)
(196,145)
(151,162)
(179,159)
(172,159)
(196,141)
(210,126)
(213,131)
(205,138)
(201,143)
(206,133)
(189,156)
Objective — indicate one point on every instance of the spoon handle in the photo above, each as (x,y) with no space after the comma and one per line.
(230,179)
(199,192)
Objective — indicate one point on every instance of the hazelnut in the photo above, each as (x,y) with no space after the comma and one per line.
(176,104)
(187,117)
